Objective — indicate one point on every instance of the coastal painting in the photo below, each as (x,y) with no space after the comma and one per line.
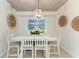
(36,25)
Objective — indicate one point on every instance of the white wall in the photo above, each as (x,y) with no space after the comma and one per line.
(70,38)
(5,9)
(22,22)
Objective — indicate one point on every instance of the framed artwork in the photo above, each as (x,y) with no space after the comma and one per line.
(36,26)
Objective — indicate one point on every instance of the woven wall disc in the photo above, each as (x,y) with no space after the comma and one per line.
(12,21)
(75,23)
(62,21)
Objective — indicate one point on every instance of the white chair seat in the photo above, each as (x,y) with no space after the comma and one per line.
(40,47)
(52,42)
(27,47)
(15,44)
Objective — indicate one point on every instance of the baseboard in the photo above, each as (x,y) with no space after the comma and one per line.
(67,51)
(2,54)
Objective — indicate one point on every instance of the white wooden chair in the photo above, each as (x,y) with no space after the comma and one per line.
(13,47)
(41,44)
(54,47)
(26,44)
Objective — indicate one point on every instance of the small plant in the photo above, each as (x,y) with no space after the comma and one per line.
(36,32)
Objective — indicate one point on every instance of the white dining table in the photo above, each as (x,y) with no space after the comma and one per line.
(34,37)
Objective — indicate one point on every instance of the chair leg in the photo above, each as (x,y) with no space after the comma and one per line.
(49,51)
(46,53)
(7,52)
(21,54)
(18,52)
(59,51)
(32,53)
(35,53)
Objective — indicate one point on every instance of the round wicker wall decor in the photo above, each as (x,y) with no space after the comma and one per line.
(62,21)
(75,23)
(12,21)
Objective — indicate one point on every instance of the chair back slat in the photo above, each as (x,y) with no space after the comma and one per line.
(27,42)
(40,42)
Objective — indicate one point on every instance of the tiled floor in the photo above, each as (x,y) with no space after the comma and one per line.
(63,54)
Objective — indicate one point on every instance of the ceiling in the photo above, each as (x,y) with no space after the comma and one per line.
(30,5)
